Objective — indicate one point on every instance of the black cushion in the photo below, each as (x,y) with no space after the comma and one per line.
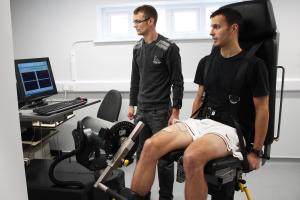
(110,107)
(258,19)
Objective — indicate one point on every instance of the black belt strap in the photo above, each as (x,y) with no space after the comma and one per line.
(234,98)
(205,71)
(240,75)
(245,163)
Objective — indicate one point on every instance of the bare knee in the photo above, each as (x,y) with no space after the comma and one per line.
(194,162)
(150,150)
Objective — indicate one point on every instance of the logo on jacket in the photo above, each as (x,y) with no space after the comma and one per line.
(156,60)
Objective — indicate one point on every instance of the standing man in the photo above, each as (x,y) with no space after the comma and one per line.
(156,68)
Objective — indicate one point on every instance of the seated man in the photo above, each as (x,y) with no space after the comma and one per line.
(211,136)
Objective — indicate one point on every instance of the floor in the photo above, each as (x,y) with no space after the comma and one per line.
(278,179)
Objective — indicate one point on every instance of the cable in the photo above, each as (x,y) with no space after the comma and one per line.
(59,182)
(245,189)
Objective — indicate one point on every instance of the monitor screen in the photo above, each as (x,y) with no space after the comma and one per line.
(34,79)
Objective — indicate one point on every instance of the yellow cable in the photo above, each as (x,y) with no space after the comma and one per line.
(246,190)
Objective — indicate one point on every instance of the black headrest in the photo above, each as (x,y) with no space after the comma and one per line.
(258,19)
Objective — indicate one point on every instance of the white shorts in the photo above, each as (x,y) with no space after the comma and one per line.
(197,128)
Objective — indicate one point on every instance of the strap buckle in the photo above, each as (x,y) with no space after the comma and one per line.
(234,99)
(208,112)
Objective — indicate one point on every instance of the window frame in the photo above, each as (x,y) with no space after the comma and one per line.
(170,8)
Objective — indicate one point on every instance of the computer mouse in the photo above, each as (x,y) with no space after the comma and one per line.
(81,98)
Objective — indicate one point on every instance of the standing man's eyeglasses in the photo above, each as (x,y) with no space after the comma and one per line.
(140,21)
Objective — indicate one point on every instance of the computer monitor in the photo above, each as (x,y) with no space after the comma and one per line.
(35,80)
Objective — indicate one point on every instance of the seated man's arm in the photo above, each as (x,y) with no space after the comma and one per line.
(261,127)
(198,101)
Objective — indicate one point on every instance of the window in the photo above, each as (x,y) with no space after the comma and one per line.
(118,24)
(185,21)
(208,11)
(114,23)
(176,20)
(161,25)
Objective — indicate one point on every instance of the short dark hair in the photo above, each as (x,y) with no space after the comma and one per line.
(232,16)
(149,11)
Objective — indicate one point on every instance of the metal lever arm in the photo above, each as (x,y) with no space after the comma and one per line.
(120,154)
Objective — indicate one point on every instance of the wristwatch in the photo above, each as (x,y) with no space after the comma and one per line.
(258,153)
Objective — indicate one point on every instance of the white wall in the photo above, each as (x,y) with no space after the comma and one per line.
(289,51)
(50,28)
(12,175)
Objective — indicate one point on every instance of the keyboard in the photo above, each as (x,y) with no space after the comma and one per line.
(59,107)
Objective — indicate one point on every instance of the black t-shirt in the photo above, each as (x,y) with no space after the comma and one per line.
(219,81)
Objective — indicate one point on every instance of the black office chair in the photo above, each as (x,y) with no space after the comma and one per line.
(109,109)
(224,175)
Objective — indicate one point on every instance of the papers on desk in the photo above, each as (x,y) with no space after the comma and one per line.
(46,125)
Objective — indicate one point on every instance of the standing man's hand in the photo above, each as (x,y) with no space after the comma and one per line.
(130,113)
(174,115)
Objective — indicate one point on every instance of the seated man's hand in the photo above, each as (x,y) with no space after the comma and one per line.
(254,161)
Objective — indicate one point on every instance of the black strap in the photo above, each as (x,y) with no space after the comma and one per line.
(245,163)
(208,61)
(234,98)
(240,75)
(205,71)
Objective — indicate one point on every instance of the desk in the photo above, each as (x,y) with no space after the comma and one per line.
(30,116)
(37,129)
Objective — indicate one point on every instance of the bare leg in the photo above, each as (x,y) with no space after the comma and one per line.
(154,148)
(196,156)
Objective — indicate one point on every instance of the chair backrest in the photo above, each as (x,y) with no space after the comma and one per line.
(259,26)
(110,106)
